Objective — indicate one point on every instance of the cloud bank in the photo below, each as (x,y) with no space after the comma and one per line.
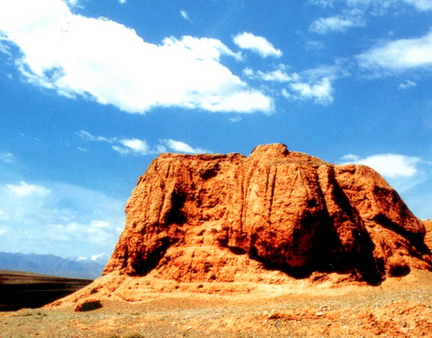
(108,62)
(399,55)
(58,218)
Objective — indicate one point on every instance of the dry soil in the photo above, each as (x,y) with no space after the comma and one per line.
(398,307)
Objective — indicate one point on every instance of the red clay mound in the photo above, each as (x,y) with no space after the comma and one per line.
(290,211)
(265,218)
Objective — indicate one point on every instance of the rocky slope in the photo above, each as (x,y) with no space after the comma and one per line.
(268,218)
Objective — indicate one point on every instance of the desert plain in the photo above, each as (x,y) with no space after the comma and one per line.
(400,306)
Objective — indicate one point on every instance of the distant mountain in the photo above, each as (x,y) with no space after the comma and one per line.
(51,265)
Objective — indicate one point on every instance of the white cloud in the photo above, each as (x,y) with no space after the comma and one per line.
(73,2)
(7,157)
(388,165)
(399,55)
(323,3)
(422,5)
(376,7)
(335,24)
(278,75)
(85,135)
(407,84)
(182,147)
(123,146)
(122,1)
(2,231)
(99,224)
(241,102)
(133,145)
(108,62)
(257,44)
(321,91)
(70,221)
(185,15)
(100,258)
(84,150)
(25,189)
(137,146)
(313,84)
(235,119)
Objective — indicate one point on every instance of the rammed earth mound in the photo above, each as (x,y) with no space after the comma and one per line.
(272,217)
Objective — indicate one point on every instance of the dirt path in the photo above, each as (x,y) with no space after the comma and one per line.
(399,307)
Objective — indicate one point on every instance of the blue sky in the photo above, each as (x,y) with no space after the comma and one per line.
(93,90)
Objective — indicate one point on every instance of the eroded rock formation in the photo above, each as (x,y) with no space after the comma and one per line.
(222,218)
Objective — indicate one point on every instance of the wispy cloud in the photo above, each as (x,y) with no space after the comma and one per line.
(321,92)
(135,146)
(335,24)
(422,5)
(185,15)
(7,158)
(235,119)
(407,84)
(312,85)
(85,135)
(101,258)
(58,52)
(182,147)
(257,44)
(399,55)
(73,2)
(25,189)
(376,7)
(278,75)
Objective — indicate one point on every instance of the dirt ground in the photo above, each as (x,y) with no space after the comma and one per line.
(398,307)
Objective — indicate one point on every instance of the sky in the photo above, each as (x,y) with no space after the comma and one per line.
(93,90)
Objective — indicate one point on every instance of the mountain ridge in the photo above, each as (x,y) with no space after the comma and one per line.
(50,265)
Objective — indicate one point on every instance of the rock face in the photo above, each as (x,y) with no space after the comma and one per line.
(224,218)
(428,237)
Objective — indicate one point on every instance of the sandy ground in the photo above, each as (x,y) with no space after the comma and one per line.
(398,307)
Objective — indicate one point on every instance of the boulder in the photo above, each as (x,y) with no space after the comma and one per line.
(88,305)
